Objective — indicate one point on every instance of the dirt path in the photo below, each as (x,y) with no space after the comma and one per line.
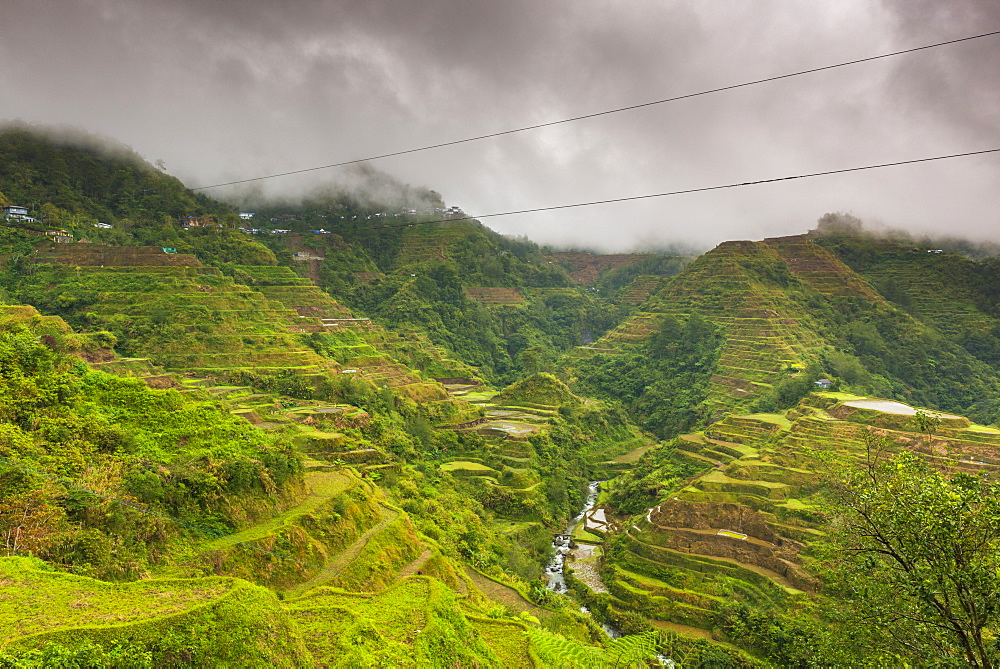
(505,594)
(337,563)
(415,566)
(321,486)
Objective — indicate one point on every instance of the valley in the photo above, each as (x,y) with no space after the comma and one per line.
(432,445)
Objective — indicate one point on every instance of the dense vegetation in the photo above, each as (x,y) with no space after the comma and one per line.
(73,440)
(918,554)
(78,180)
(419,281)
(664,384)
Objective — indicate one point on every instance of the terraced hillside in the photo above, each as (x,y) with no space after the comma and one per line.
(744,288)
(279,438)
(426,243)
(95,348)
(495,296)
(188,317)
(741,530)
(162,620)
(820,269)
(640,289)
(412,623)
(785,303)
(220,621)
(949,292)
(337,532)
(385,358)
(585,268)
(228,622)
(194,320)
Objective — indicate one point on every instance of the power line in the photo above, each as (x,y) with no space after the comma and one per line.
(607,111)
(685,191)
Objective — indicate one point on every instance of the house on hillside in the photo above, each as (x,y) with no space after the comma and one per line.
(59,236)
(246,215)
(824,384)
(188,222)
(15,213)
(103,226)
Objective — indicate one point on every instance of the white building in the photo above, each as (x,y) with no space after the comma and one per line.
(15,213)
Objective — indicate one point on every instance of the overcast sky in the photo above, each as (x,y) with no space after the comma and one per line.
(229,90)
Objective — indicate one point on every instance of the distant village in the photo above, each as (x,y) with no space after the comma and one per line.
(404,212)
(21,216)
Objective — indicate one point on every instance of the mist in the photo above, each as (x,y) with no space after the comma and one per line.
(223,91)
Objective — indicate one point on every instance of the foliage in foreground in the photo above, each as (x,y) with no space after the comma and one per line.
(915,559)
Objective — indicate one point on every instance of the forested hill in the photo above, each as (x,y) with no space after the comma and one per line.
(78,180)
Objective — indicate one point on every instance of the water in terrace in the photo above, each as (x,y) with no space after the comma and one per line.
(890,406)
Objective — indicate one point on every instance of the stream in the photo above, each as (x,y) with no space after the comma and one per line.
(555,571)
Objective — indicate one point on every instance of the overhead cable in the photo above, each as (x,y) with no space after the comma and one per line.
(686,191)
(606,112)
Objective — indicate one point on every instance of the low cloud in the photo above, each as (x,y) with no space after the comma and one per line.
(223,91)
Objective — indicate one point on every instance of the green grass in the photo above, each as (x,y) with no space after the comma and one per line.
(794,503)
(34,601)
(479,396)
(632,455)
(507,639)
(983,429)
(840,397)
(466,466)
(166,617)
(417,622)
(776,418)
(580,533)
(730,533)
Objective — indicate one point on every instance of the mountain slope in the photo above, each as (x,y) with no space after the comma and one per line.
(786,305)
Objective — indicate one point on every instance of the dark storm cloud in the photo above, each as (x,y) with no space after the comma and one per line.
(227,90)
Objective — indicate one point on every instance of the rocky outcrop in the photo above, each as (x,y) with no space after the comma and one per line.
(708,516)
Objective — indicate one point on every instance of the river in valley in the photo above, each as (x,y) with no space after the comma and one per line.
(555,571)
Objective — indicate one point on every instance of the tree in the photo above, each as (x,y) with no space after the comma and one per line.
(915,557)
(29,522)
(927,423)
